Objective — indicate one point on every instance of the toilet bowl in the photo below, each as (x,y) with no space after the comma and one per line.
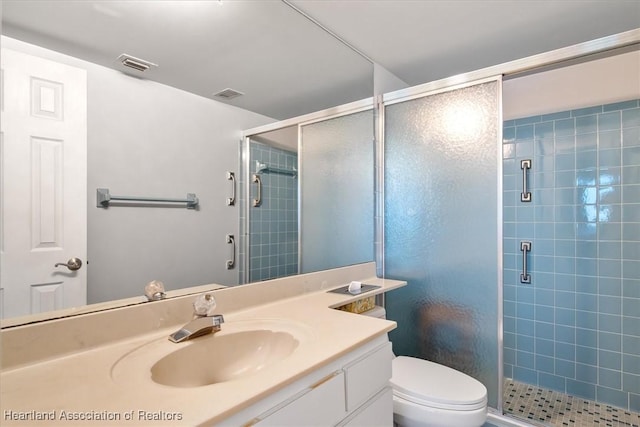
(427,394)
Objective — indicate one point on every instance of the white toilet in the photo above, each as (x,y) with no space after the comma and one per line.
(426,394)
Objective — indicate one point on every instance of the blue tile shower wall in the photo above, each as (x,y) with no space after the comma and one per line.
(273,246)
(576,327)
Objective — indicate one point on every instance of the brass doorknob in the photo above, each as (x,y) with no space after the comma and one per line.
(73,264)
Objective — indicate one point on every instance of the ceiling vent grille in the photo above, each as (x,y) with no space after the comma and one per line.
(227,94)
(135,63)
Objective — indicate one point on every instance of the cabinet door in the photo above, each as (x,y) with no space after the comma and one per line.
(377,412)
(368,375)
(322,404)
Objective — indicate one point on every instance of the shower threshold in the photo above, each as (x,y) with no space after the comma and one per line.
(552,408)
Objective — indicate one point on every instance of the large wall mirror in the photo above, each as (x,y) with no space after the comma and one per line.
(171,133)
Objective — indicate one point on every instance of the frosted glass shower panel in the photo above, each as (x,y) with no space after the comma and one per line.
(441,228)
(336,215)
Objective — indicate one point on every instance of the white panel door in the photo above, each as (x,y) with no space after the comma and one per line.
(44,175)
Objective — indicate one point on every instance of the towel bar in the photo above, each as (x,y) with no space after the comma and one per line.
(104,198)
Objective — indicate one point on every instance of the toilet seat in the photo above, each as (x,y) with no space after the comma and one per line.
(436,386)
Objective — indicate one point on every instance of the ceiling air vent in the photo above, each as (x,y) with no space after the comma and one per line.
(227,94)
(135,63)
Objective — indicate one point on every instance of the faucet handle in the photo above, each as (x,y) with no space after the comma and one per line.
(204,305)
(154,290)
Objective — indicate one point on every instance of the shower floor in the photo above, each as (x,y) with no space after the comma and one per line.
(552,408)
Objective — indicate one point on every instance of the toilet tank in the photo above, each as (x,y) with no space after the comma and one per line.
(377,311)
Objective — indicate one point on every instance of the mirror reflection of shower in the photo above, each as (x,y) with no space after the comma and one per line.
(308,194)
(273,246)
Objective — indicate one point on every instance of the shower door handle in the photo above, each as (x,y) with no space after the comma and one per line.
(231,263)
(525,277)
(258,200)
(525,196)
(231,201)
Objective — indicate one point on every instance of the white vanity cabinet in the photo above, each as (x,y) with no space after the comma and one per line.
(320,404)
(377,411)
(351,391)
(369,399)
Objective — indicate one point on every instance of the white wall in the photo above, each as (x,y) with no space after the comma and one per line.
(384,81)
(148,139)
(596,82)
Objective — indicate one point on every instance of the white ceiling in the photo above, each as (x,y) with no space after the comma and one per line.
(421,41)
(286,65)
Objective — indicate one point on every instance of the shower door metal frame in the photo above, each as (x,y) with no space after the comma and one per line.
(423,91)
(575,54)
(318,116)
(349,109)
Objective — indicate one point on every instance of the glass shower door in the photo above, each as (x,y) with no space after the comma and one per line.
(443,225)
(337,192)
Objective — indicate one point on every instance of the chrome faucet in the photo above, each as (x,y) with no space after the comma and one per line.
(197,327)
(204,323)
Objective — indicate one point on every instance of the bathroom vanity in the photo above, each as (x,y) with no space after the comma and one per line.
(352,391)
(284,356)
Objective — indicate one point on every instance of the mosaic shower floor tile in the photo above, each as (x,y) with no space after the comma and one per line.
(551,408)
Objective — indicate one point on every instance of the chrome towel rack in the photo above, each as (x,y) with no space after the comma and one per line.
(103,198)
(265,168)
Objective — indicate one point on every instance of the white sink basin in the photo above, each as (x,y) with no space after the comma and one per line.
(240,349)
(217,358)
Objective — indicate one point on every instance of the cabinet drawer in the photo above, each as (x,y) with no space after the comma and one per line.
(368,375)
(322,404)
(376,413)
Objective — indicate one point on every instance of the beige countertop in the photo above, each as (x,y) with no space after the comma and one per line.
(112,384)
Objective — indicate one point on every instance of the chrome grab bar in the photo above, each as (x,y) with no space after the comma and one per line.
(231,263)
(525,165)
(231,201)
(258,200)
(525,277)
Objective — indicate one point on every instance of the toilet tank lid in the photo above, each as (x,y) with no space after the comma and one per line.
(429,383)
(376,311)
